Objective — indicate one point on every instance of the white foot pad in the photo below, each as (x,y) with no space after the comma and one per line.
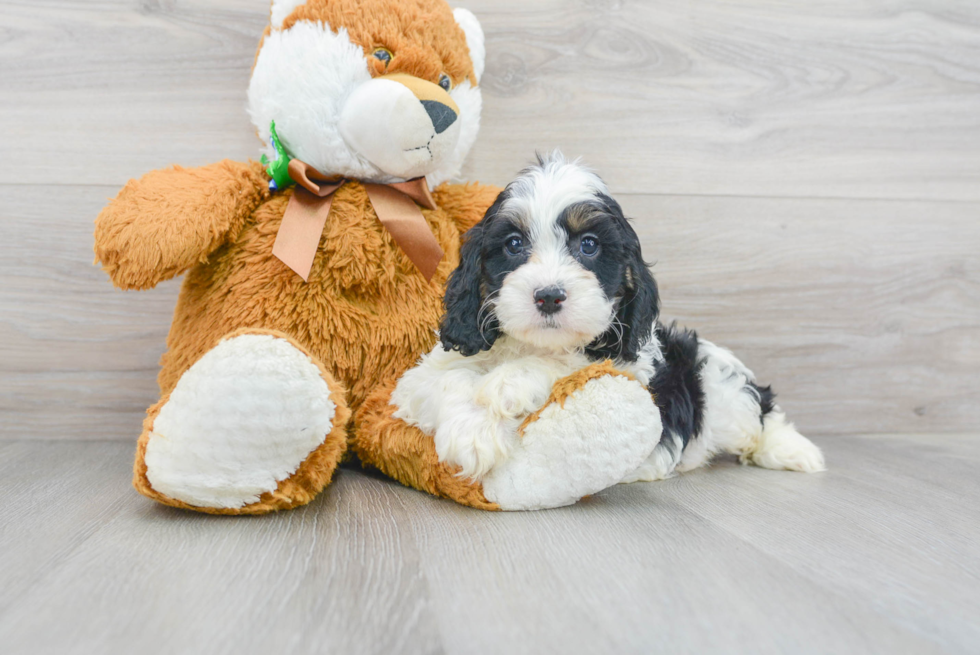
(605,430)
(240,420)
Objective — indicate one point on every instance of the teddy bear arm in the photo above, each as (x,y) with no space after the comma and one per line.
(170,219)
(597,426)
(466,203)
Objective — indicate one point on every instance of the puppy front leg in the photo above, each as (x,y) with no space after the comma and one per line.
(474,438)
(438,397)
(477,427)
(478,424)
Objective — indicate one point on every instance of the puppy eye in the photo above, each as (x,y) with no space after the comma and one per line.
(445,82)
(514,245)
(589,245)
(383,55)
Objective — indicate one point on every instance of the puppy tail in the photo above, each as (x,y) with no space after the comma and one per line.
(780,446)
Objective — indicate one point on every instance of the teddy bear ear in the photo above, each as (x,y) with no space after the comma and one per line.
(474,39)
(281,10)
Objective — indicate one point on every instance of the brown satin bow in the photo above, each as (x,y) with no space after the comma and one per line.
(395,204)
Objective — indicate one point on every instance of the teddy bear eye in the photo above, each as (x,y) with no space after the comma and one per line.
(445,82)
(383,55)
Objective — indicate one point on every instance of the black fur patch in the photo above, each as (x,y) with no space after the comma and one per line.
(464,326)
(677,384)
(468,325)
(766,396)
(623,274)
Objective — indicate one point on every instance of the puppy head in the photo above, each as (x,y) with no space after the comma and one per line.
(555,264)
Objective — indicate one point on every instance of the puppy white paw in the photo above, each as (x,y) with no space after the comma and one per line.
(475,441)
(511,393)
(605,430)
(782,447)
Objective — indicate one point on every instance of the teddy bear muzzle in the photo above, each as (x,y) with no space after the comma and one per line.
(403,125)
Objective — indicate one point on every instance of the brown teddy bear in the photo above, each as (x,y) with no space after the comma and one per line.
(314,279)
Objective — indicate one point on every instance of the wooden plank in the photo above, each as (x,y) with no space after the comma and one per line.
(893,525)
(79,358)
(56,496)
(831,98)
(338,576)
(865,315)
(870,557)
(99,92)
(609,576)
(874,99)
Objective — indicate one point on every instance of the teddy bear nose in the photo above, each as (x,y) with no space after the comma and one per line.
(442,115)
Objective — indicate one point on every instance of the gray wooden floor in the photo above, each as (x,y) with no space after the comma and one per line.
(879,555)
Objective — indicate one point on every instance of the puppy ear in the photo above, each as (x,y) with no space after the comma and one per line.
(639,304)
(639,308)
(465,326)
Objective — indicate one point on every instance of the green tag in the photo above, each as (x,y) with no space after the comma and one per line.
(278,168)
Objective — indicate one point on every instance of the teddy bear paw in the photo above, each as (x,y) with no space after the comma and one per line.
(600,433)
(239,422)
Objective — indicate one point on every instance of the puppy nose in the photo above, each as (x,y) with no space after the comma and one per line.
(548,301)
(442,115)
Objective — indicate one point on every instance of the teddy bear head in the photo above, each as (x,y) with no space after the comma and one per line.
(376,90)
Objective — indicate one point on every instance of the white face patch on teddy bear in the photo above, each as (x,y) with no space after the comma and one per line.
(330,113)
(413,134)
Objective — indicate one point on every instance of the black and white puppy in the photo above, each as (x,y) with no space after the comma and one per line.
(551,280)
